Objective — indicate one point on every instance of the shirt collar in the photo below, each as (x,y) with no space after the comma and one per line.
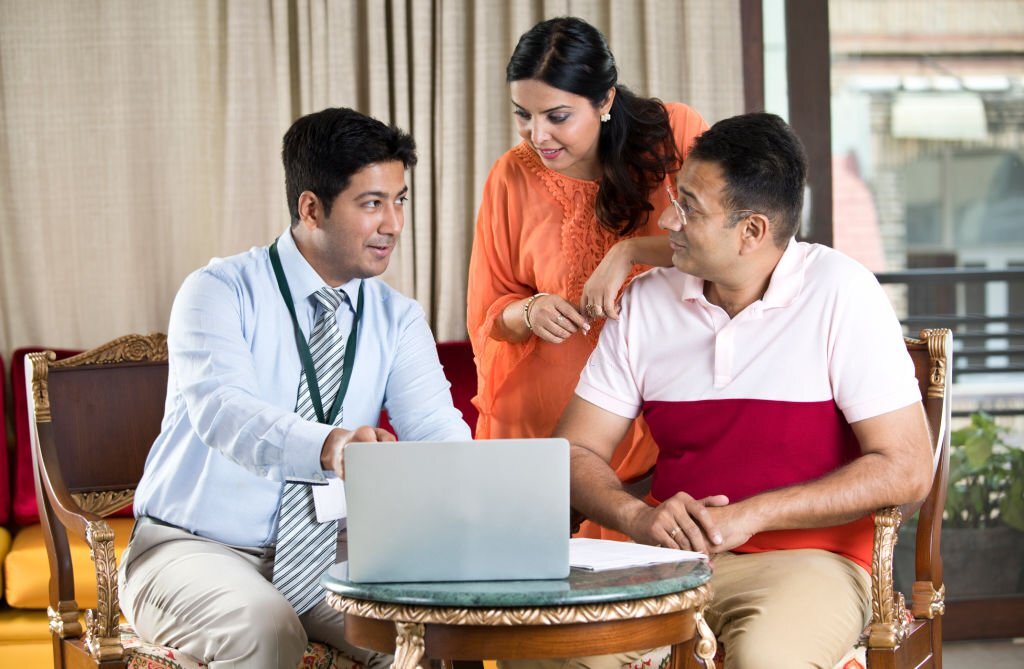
(693,288)
(786,282)
(788,278)
(303,280)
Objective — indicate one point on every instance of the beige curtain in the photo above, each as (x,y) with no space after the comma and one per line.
(140,138)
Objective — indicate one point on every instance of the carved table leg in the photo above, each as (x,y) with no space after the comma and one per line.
(706,645)
(409,646)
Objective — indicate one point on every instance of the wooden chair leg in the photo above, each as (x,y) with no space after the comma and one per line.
(698,652)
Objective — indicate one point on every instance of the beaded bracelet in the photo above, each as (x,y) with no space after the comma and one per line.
(526,310)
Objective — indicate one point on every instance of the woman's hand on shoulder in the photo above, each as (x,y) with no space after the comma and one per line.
(602,288)
(554,319)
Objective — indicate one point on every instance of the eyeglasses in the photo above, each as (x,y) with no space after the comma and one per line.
(680,212)
(686,214)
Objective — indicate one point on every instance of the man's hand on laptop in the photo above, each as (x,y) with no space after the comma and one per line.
(332,456)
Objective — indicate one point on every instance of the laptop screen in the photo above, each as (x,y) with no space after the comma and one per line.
(458,511)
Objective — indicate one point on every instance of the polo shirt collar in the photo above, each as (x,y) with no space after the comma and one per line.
(303,280)
(788,278)
(785,285)
(693,288)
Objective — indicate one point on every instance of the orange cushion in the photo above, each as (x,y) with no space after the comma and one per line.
(20,626)
(27,571)
(24,639)
(5,547)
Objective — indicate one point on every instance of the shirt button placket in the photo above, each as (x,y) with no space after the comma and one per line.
(724,347)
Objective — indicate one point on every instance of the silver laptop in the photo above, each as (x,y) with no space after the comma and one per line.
(458,511)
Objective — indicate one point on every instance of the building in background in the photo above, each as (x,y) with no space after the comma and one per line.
(928,116)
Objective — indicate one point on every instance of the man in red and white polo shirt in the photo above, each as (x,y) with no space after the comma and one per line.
(774,377)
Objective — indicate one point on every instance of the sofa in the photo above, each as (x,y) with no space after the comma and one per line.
(24,633)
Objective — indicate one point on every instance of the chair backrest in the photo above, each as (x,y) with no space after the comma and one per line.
(94,418)
(932,353)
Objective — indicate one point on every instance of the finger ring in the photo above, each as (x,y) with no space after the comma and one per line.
(591,310)
(561,319)
(674,532)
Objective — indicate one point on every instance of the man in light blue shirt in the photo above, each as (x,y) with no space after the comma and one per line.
(198,572)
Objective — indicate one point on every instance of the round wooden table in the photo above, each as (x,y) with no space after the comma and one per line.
(588,613)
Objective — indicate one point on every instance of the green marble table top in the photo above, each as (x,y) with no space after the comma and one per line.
(581,587)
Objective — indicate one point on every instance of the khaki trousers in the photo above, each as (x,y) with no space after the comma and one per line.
(791,609)
(787,609)
(217,603)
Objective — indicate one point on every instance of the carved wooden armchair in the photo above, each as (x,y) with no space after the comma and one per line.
(93,419)
(898,637)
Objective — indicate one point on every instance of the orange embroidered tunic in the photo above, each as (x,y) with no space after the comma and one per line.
(536,232)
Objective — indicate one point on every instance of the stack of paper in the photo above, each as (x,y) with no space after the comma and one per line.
(601,555)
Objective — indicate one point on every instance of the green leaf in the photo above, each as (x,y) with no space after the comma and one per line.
(979,449)
(986,477)
(1011,508)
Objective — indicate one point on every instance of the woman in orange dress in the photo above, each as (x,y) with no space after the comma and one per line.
(567,216)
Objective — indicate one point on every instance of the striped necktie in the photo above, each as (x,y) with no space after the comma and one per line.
(306,548)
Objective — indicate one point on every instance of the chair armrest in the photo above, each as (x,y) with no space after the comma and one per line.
(101,623)
(888,625)
(102,637)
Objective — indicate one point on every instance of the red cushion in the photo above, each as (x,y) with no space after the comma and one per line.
(5,478)
(24,501)
(457,359)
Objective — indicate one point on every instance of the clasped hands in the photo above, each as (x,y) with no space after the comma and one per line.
(332,456)
(710,525)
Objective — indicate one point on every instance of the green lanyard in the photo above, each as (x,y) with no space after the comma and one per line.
(307,357)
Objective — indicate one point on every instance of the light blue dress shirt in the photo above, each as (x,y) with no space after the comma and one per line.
(230,436)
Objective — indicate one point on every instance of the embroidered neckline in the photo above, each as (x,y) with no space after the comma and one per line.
(584,242)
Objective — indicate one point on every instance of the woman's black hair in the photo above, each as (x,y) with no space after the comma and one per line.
(636,147)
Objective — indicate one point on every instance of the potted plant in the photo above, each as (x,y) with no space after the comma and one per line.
(983,522)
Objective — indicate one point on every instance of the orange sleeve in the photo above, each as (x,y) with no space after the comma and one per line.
(493,284)
(686,124)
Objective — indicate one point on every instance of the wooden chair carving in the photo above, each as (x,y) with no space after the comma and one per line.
(897,636)
(93,419)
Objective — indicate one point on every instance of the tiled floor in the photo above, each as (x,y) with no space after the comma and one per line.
(995,654)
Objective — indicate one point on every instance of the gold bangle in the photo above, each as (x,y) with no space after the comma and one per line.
(526,310)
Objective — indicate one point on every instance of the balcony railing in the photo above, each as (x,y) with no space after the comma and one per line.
(988,333)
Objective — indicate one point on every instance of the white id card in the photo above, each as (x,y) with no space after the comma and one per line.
(329,500)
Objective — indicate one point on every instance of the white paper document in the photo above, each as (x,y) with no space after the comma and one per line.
(601,555)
